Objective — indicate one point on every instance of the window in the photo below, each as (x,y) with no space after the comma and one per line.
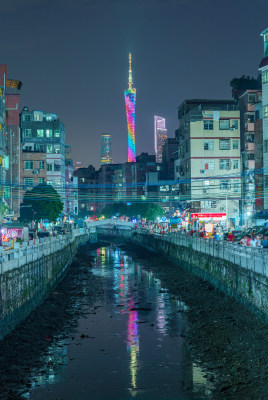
(236,185)
(210,164)
(28,164)
(41,180)
(225,185)
(57,149)
(235,164)
(265,111)
(56,132)
(28,181)
(234,124)
(208,125)
(49,167)
(49,183)
(208,144)
(265,146)
(252,98)
(40,132)
(257,114)
(49,133)
(40,147)
(264,77)
(225,144)
(27,117)
(224,124)
(225,164)
(235,144)
(49,148)
(41,165)
(27,148)
(27,133)
(57,167)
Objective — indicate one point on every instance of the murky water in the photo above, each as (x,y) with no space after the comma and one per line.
(127,346)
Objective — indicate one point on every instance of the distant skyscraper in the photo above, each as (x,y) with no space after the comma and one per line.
(106,149)
(160,136)
(130,100)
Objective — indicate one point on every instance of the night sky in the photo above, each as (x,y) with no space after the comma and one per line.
(72,57)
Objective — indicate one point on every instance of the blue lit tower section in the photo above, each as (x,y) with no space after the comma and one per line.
(106,149)
(130,100)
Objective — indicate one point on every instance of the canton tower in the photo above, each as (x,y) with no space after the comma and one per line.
(130,100)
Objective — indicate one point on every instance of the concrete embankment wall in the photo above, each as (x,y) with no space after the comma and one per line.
(25,288)
(246,286)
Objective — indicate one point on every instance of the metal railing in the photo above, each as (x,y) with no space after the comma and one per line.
(254,259)
(35,249)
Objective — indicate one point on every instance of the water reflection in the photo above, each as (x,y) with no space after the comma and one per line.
(140,323)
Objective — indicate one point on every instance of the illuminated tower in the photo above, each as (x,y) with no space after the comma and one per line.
(130,100)
(160,136)
(106,149)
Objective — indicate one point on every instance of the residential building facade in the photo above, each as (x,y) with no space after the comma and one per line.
(209,157)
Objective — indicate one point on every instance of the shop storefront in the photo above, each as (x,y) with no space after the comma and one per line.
(208,221)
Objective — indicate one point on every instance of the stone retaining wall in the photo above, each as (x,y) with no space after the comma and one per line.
(24,288)
(244,284)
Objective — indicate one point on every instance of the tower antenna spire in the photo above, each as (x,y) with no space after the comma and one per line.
(130,83)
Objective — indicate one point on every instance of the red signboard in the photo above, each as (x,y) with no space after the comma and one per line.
(208,215)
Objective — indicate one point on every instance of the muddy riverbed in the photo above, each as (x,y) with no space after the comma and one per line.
(230,342)
(125,324)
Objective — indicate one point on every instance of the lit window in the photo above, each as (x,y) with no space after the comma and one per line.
(57,149)
(41,180)
(235,164)
(265,111)
(224,124)
(235,144)
(40,132)
(264,76)
(208,125)
(208,144)
(40,147)
(236,185)
(49,167)
(56,133)
(41,165)
(49,183)
(49,133)
(225,144)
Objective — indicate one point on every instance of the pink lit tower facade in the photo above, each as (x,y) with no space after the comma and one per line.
(130,100)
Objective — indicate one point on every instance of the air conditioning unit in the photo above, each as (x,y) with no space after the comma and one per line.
(202,171)
(222,208)
(205,190)
(236,190)
(36,171)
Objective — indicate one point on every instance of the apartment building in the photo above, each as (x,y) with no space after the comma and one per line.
(43,149)
(249,111)
(209,157)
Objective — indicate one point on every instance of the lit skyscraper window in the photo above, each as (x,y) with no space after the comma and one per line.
(160,136)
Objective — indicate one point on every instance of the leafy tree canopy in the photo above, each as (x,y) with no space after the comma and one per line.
(150,211)
(244,83)
(42,202)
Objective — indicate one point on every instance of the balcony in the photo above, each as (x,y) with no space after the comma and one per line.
(250,146)
(249,126)
(250,164)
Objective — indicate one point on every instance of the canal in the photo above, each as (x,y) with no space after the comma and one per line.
(127,342)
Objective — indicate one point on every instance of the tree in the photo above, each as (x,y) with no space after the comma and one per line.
(240,85)
(42,202)
(150,211)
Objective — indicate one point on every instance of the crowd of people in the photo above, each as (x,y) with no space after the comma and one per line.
(219,233)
